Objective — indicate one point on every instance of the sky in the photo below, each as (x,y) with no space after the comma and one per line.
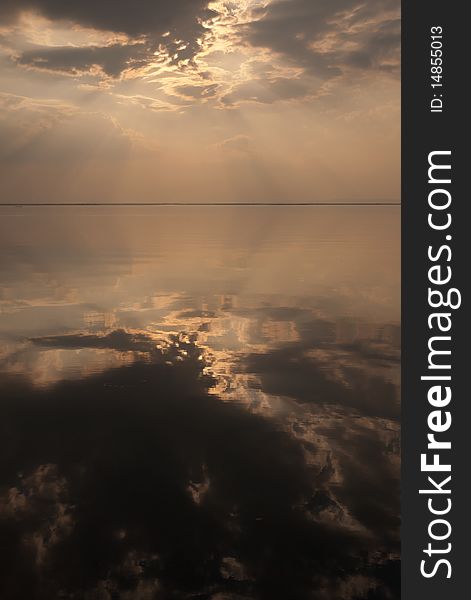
(196,101)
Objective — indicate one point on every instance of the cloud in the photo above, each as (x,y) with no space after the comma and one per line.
(41,501)
(113,60)
(301,46)
(197,91)
(118,339)
(173,29)
(326,38)
(329,364)
(268,91)
(283,51)
(122,451)
(43,130)
(141,17)
(291,371)
(177,347)
(239,144)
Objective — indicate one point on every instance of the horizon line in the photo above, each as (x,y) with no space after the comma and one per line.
(31,204)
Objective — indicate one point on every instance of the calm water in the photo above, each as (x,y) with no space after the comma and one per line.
(199,403)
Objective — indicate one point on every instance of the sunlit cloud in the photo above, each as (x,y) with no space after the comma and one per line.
(158,89)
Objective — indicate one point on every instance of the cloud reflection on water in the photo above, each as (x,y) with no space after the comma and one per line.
(217,436)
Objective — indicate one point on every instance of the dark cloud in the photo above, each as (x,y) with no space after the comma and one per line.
(374,353)
(370,480)
(197,91)
(325,37)
(139,483)
(291,371)
(119,340)
(113,59)
(138,18)
(322,37)
(143,20)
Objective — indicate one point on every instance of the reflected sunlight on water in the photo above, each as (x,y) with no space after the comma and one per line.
(222,383)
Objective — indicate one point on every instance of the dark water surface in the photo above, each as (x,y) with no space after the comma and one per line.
(199,403)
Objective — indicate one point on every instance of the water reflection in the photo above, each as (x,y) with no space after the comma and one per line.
(200,403)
